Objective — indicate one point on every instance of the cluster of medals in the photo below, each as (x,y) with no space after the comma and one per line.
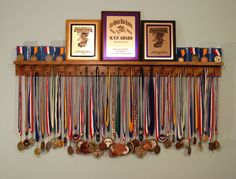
(117,115)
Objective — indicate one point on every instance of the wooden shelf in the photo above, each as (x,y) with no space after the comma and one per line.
(88,67)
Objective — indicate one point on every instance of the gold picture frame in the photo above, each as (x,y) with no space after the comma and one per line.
(83,39)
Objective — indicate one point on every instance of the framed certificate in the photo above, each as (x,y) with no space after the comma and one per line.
(120,35)
(158,40)
(83,39)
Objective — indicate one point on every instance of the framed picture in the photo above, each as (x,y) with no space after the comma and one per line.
(83,40)
(120,35)
(158,40)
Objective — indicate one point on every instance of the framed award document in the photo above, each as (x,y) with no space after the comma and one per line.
(83,39)
(120,35)
(158,40)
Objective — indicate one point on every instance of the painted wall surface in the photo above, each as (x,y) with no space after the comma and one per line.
(199,23)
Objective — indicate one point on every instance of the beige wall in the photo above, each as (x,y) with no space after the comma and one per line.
(199,23)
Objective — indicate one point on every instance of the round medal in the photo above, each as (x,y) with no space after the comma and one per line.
(92,146)
(97,153)
(75,138)
(102,146)
(167,144)
(77,150)
(157,149)
(37,151)
(20,146)
(118,148)
(48,58)
(217,59)
(146,145)
(108,141)
(32,141)
(42,145)
(48,146)
(179,145)
(181,59)
(26,143)
(189,150)
(216,144)
(33,58)
(136,142)
(59,58)
(131,146)
(211,146)
(140,152)
(153,143)
(84,148)
(20,57)
(162,138)
(54,143)
(70,150)
(204,59)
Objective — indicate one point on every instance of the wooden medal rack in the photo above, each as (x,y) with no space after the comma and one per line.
(121,68)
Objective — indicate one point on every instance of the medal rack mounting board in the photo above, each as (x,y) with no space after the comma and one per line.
(114,68)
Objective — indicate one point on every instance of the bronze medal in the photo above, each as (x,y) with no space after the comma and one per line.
(26,143)
(20,57)
(42,145)
(204,59)
(194,58)
(140,152)
(32,141)
(146,145)
(111,151)
(59,58)
(70,150)
(131,146)
(211,146)
(33,58)
(84,148)
(75,138)
(48,58)
(48,146)
(205,138)
(136,142)
(157,149)
(118,148)
(20,146)
(216,144)
(167,144)
(108,141)
(102,146)
(97,153)
(217,59)
(179,145)
(181,59)
(37,151)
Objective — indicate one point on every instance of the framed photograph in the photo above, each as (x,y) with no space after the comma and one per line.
(83,40)
(120,35)
(158,40)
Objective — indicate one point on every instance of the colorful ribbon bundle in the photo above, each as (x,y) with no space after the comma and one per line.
(118,114)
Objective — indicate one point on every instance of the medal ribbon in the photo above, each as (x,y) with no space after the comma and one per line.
(91,112)
(20,106)
(107,111)
(212,110)
(131,122)
(151,104)
(36,105)
(118,108)
(31,105)
(47,107)
(145,108)
(200,117)
(69,117)
(81,109)
(156,105)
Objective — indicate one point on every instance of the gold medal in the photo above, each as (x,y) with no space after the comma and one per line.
(140,152)
(32,141)
(204,59)
(217,59)
(37,151)
(54,143)
(48,58)
(92,146)
(33,58)
(181,59)
(20,57)
(108,141)
(98,153)
(20,146)
(59,58)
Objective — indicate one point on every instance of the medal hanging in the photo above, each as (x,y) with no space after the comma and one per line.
(20,144)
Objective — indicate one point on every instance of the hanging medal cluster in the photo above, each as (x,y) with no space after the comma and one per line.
(117,115)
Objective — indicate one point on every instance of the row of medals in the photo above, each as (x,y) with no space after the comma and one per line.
(48,57)
(140,148)
(203,59)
